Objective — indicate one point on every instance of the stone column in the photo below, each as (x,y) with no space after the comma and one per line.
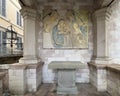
(31,70)
(101,51)
(30,37)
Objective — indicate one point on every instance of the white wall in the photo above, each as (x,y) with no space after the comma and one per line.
(114,34)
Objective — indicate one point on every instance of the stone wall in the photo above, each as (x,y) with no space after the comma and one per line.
(1,88)
(114,34)
(17,80)
(34,77)
(24,78)
(93,75)
(113,80)
(106,78)
(98,76)
(83,55)
(2,74)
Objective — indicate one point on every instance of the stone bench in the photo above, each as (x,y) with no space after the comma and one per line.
(106,77)
(113,79)
(21,78)
(66,71)
(24,78)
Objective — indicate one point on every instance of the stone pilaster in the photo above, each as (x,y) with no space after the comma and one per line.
(30,37)
(31,70)
(101,52)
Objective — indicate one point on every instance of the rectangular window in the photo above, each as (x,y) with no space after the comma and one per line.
(4,38)
(0,38)
(19,19)
(2,43)
(3,8)
(19,43)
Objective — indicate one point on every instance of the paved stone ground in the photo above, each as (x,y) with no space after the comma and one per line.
(84,90)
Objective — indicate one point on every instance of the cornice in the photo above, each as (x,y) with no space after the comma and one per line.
(103,13)
(28,12)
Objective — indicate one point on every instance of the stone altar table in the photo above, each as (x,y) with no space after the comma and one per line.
(66,71)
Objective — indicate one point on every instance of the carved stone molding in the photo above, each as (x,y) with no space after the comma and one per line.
(28,12)
(105,2)
(103,13)
(26,2)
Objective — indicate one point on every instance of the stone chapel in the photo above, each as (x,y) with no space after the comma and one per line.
(68,42)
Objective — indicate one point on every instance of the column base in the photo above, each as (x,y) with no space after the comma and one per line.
(29,60)
(101,60)
(34,76)
(25,78)
(17,81)
(98,76)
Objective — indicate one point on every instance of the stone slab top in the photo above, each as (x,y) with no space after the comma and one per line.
(18,66)
(111,67)
(114,68)
(24,66)
(34,66)
(98,66)
(66,65)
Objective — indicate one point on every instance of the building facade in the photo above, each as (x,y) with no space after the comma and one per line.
(10,15)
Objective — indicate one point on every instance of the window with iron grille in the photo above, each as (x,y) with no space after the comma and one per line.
(19,43)
(19,19)
(3,8)
(3,42)
(3,38)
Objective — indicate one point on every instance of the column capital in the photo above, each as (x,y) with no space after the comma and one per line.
(38,16)
(103,13)
(28,12)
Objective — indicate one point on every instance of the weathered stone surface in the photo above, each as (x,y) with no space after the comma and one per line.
(98,76)
(83,89)
(113,80)
(66,71)
(66,65)
(34,76)
(2,75)
(66,82)
(49,55)
(17,79)
(25,78)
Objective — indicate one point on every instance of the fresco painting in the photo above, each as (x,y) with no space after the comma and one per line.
(68,31)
